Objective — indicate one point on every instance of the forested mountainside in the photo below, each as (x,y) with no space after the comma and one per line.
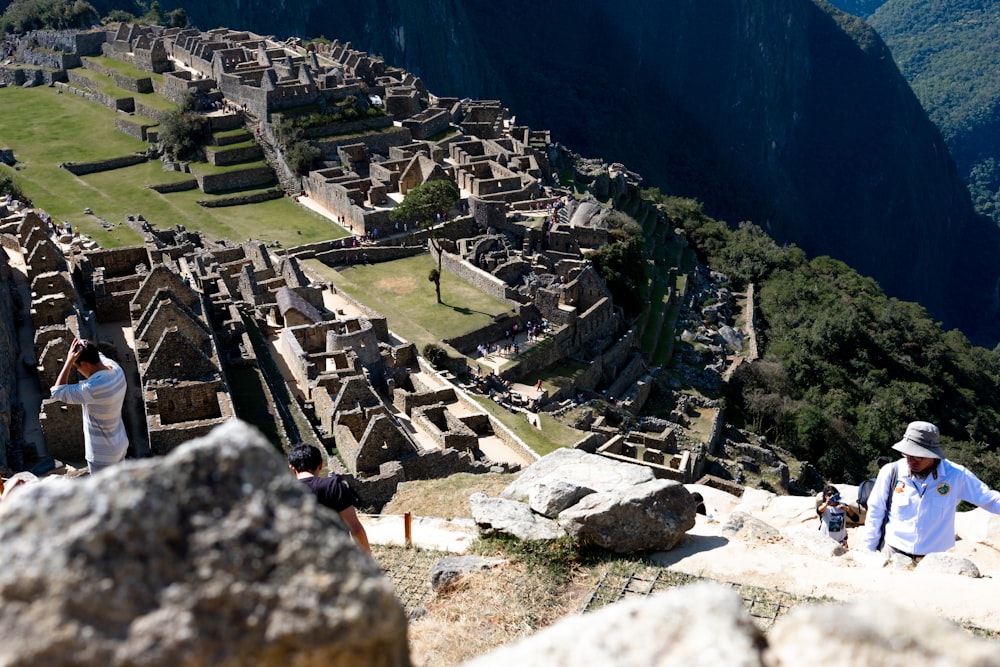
(861,8)
(950,53)
(788,113)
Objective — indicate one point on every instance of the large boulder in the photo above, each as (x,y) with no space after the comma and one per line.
(552,496)
(498,515)
(212,555)
(707,624)
(652,516)
(946,563)
(575,467)
(873,632)
(699,625)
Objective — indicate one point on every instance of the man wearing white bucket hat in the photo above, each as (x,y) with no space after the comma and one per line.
(921,493)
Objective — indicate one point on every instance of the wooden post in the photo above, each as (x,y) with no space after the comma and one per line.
(408,529)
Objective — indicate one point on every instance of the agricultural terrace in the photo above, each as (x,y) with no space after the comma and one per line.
(46,128)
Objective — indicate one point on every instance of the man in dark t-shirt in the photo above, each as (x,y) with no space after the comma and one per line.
(306,461)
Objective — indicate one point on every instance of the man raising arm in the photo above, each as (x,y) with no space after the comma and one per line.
(101,394)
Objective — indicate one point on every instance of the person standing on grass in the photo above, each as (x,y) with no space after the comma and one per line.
(306,461)
(101,393)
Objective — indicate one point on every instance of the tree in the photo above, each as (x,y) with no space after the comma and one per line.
(24,15)
(621,264)
(8,186)
(421,205)
(177,18)
(301,156)
(181,134)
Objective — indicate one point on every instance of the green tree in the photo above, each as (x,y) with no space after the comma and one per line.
(181,134)
(177,18)
(301,156)
(24,15)
(621,264)
(9,186)
(421,205)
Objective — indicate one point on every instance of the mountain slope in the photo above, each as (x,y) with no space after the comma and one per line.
(788,113)
(950,53)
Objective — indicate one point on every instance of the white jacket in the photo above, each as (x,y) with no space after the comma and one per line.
(922,513)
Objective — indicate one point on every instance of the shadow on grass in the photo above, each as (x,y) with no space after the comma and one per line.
(466,311)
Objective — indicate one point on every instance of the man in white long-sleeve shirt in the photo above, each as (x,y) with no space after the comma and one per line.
(925,496)
(101,394)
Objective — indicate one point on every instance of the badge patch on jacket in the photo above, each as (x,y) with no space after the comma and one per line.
(943,489)
(900,486)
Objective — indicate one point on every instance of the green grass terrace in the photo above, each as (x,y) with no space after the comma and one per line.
(45,128)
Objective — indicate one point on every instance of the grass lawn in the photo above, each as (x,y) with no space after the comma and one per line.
(125,69)
(45,128)
(552,436)
(400,291)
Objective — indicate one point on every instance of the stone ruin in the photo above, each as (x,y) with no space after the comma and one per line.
(183,319)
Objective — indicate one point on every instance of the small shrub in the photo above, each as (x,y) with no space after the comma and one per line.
(435,355)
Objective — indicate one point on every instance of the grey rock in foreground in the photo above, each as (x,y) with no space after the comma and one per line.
(699,625)
(947,563)
(707,625)
(652,516)
(745,526)
(552,496)
(873,632)
(211,556)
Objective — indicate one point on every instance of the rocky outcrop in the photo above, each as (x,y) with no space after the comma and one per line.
(595,500)
(577,468)
(707,625)
(498,515)
(212,555)
(652,516)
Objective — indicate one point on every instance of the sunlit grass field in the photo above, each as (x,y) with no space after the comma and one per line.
(45,128)
(401,291)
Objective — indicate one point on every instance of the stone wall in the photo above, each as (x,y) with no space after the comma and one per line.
(374,253)
(133,128)
(82,168)
(132,84)
(10,454)
(178,186)
(376,143)
(252,177)
(188,402)
(467,343)
(352,127)
(624,378)
(162,441)
(426,124)
(81,85)
(479,279)
(240,200)
(62,425)
(407,401)
(224,156)
(150,112)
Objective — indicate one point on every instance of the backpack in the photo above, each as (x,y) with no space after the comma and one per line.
(864,491)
